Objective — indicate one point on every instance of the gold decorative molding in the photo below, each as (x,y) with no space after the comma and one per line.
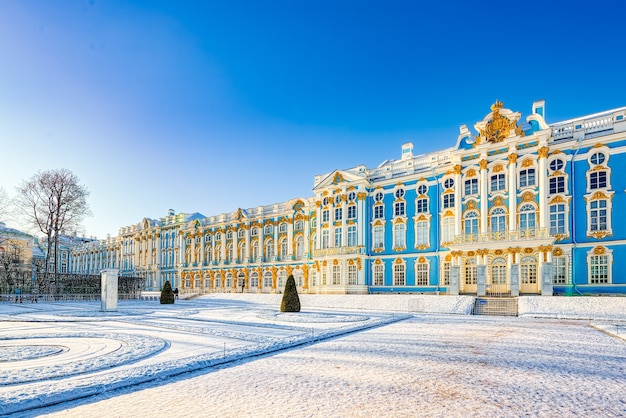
(599,234)
(498,168)
(543,152)
(512,158)
(421,260)
(527,163)
(599,250)
(470,173)
(458,169)
(528,197)
(483,164)
(499,127)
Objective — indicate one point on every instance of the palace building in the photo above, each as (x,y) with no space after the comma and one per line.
(516,207)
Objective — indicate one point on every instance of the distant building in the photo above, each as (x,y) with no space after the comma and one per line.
(515,208)
(17,249)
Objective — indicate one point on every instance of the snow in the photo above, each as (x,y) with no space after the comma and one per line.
(343,355)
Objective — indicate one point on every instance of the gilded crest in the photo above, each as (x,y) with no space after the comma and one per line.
(499,127)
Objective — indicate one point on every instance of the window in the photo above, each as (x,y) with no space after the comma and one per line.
(448,200)
(498,271)
(498,220)
(324,276)
(378,275)
(597,180)
(338,235)
(338,214)
(337,200)
(471,223)
(557,219)
(352,236)
(598,215)
(378,237)
(267,279)
(352,196)
(421,205)
(254,232)
(422,234)
(470,271)
(218,236)
(527,177)
(299,226)
(254,280)
(527,216)
(299,247)
(351,274)
(559,275)
(269,250)
(557,184)
(421,274)
(399,209)
(283,249)
(528,270)
(325,238)
(597,158)
(399,276)
(399,193)
(325,201)
(498,182)
(351,211)
(282,228)
(255,250)
(446,273)
(448,229)
(269,229)
(422,189)
(379,212)
(556,165)
(229,235)
(399,236)
(448,183)
(325,216)
(471,187)
(599,269)
(336,275)
(378,197)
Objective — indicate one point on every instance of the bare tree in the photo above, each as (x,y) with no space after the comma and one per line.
(55,203)
(5,202)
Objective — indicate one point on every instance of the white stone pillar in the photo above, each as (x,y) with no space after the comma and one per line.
(290,239)
(484,197)
(108,291)
(512,192)
(543,188)
(458,197)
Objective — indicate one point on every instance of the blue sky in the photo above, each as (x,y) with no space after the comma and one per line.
(209,106)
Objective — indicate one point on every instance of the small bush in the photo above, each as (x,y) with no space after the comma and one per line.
(167,294)
(291,301)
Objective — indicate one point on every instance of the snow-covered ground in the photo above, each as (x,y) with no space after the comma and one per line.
(387,355)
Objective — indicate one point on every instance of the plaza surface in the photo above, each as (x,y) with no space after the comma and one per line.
(236,355)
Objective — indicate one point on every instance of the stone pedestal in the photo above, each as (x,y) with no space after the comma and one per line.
(108,296)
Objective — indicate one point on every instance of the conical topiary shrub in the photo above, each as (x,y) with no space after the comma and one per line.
(291,301)
(167,294)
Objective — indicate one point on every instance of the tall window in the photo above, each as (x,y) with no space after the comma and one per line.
(269,250)
(351,211)
(498,271)
(497,182)
(267,279)
(528,270)
(283,249)
(470,271)
(378,275)
(378,237)
(597,180)
(254,280)
(336,275)
(255,250)
(557,219)
(557,184)
(351,274)
(422,233)
(399,235)
(527,216)
(421,274)
(352,236)
(399,209)
(338,235)
(527,177)
(421,205)
(598,215)
(448,229)
(299,247)
(599,269)
(559,270)
(446,273)
(325,216)
(471,223)
(498,220)
(379,212)
(399,276)
(338,214)
(325,238)
(471,187)
(448,200)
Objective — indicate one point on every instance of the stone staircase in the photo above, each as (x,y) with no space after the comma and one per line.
(495,306)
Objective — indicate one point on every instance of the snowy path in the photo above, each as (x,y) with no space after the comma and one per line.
(220,357)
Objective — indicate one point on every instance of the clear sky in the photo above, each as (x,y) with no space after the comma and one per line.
(208,106)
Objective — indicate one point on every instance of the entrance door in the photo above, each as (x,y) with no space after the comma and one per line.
(497,284)
(470,274)
(528,275)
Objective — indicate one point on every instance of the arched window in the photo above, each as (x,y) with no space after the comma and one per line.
(254,280)
(498,220)
(299,247)
(267,280)
(269,250)
(527,217)
(283,249)
(399,235)
(255,250)
(528,270)
(498,271)
(471,223)
(470,271)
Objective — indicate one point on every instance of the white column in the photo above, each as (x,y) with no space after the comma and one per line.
(512,192)
(290,239)
(543,188)
(361,218)
(484,197)
(247,252)
(223,249)
(457,200)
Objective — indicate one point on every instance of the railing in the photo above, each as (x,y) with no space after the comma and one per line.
(339,251)
(587,127)
(522,234)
